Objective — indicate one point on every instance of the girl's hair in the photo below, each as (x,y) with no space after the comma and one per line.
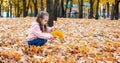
(40,16)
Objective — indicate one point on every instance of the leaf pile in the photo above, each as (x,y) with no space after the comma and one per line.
(85,41)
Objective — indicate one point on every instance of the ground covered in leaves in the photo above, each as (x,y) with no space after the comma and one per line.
(86,41)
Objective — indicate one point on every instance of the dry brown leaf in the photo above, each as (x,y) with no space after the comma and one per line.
(16,55)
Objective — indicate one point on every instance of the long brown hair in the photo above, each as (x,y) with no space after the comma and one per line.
(40,16)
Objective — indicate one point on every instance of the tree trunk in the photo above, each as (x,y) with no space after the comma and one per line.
(10,2)
(50,10)
(15,13)
(27,8)
(108,9)
(80,8)
(116,9)
(24,8)
(66,7)
(20,12)
(0,10)
(55,9)
(0,6)
(97,7)
(42,5)
(35,7)
(62,8)
(8,12)
(112,12)
(91,10)
(58,9)
(31,10)
(18,9)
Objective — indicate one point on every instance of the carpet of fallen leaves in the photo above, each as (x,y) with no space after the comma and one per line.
(86,41)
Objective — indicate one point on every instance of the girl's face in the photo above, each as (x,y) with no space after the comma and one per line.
(44,20)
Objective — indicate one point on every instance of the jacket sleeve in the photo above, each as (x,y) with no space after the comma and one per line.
(49,29)
(37,32)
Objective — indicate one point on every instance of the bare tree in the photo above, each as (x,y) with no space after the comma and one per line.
(97,7)
(35,7)
(91,9)
(108,5)
(116,9)
(80,8)
(56,2)
(42,6)
(50,10)
(1,1)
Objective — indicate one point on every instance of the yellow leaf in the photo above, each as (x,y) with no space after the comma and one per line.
(109,59)
(5,53)
(83,48)
(16,55)
(71,60)
(58,33)
(34,49)
(98,56)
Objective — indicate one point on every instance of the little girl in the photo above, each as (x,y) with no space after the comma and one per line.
(40,32)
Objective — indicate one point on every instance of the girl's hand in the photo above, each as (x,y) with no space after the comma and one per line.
(24,43)
(52,38)
(53,28)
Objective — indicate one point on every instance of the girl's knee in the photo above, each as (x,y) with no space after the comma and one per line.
(41,43)
(37,42)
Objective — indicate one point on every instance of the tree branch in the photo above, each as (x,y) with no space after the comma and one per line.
(1,2)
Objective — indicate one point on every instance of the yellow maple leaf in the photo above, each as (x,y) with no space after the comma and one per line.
(48,59)
(83,48)
(90,49)
(109,59)
(34,49)
(58,33)
(70,60)
(5,53)
(16,55)
(98,56)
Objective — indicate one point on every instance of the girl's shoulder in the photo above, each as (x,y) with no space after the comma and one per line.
(34,23)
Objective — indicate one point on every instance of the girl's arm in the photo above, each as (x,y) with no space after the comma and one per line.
(50,29)
(37,32)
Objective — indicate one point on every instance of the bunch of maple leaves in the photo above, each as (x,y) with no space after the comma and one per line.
(85,41)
